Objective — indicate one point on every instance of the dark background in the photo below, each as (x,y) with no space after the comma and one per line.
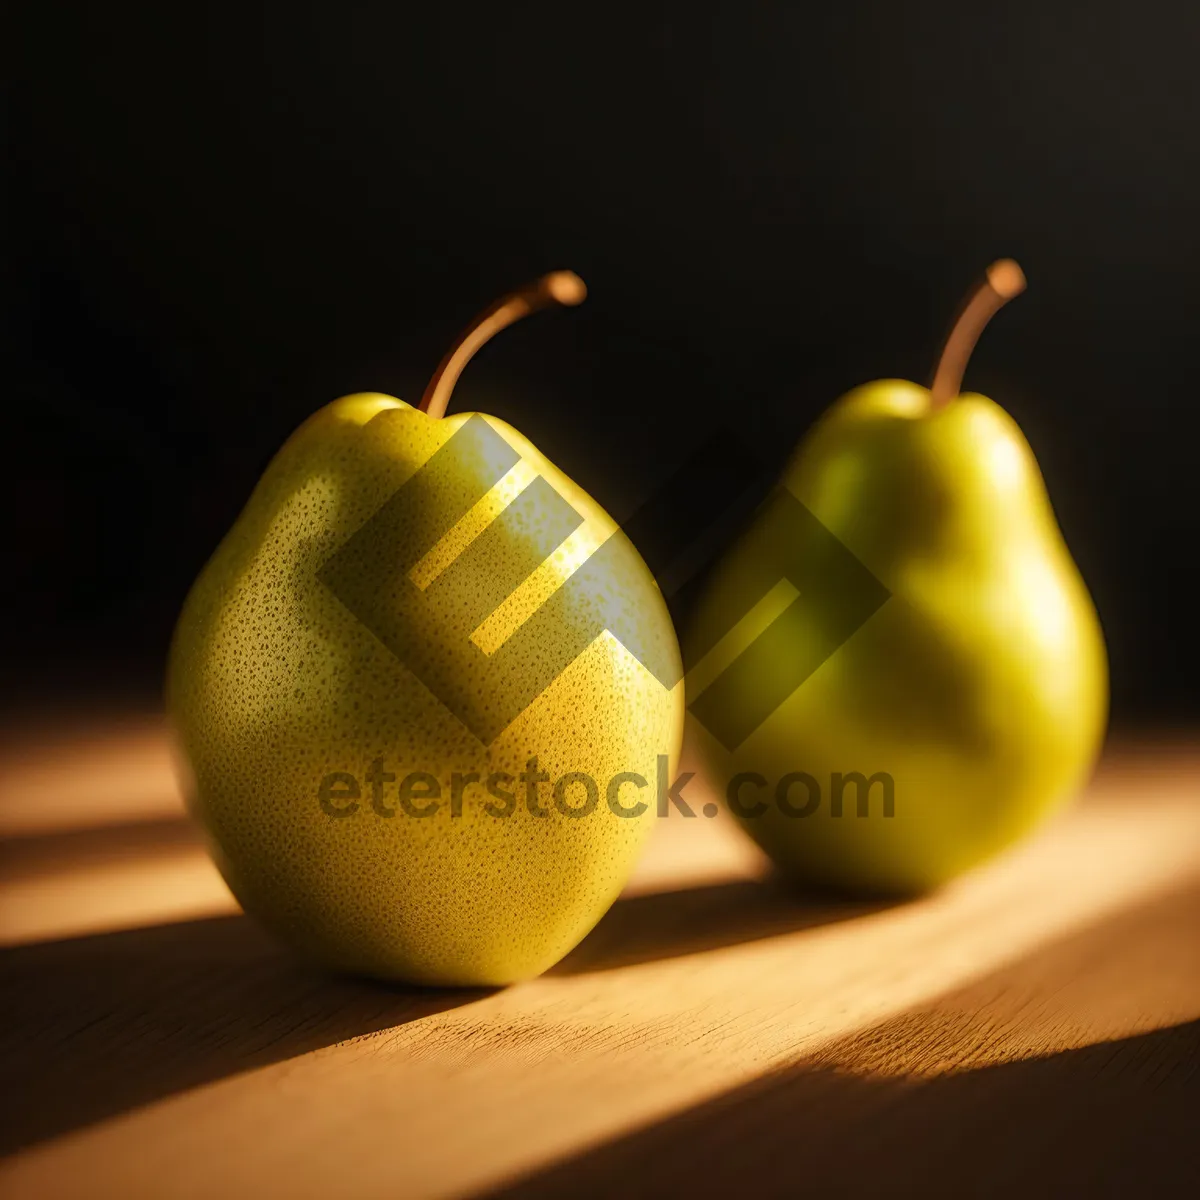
(221,217)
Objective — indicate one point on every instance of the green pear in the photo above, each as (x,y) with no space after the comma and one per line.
(424,690)
(958,688)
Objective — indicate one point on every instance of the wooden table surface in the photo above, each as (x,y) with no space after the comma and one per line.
(1033,1029)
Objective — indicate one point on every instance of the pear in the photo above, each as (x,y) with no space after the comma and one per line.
(424,690)
(940,664)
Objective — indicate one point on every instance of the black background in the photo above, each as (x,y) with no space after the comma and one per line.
(221,217)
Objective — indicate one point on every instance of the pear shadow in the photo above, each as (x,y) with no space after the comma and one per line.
(670,924)
(1020,1083)
(91,1027)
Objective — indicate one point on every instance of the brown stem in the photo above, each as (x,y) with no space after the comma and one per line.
(1004,281)
(559,287)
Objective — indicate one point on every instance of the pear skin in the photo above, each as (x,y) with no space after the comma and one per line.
(979,688)
(297,728)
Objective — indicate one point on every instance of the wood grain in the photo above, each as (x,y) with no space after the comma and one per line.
(1032,1028)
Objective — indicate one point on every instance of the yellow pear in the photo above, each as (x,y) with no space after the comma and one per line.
(425,692)
(899,670)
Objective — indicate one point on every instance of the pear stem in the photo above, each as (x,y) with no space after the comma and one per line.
(1004,281)
(559,287)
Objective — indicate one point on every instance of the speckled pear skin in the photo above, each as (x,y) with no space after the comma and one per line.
(273,685)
